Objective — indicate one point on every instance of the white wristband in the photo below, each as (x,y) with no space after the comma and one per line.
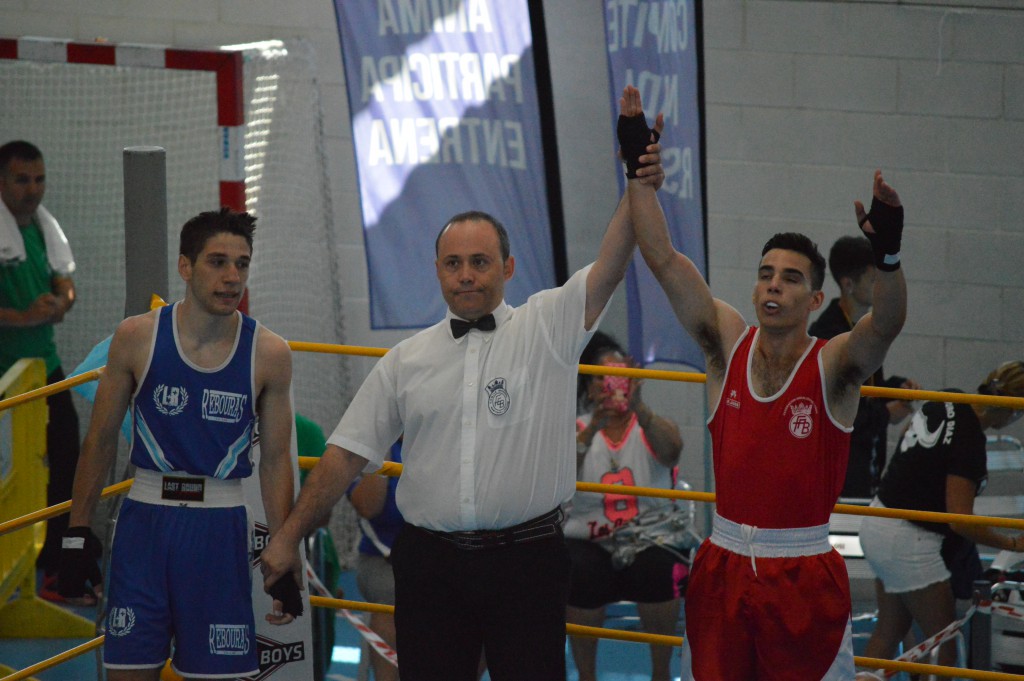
(79,543)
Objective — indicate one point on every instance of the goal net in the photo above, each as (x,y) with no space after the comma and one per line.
(82,115)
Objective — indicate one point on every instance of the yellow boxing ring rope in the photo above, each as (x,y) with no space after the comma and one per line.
(393,469)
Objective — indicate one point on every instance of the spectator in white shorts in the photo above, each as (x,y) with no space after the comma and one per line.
(940,465)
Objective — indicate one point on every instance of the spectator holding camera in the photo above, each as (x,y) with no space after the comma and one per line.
(623,547)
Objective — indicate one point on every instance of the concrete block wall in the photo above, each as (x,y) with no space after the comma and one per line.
(804,99)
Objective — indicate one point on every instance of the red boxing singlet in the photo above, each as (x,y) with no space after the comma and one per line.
(779,466)
(779,461)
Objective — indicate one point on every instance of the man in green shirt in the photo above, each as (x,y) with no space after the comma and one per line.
(36,291)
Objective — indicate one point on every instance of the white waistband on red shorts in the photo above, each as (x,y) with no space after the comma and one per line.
(769,543)
(181,489)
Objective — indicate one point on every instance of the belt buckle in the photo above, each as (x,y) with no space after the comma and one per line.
(174,488)
(489,539)
(464,543)
(477,540)
(538,532)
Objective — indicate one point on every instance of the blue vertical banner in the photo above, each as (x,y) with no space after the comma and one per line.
(655,46)
(445,119)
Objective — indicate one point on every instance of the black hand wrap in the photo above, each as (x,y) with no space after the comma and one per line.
(287,591)
(634,136)
(887,222)
(80,555)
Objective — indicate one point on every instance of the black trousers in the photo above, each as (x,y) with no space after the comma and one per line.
(451,604)
(62,448)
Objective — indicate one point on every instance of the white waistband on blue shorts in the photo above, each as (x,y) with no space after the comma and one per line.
(193,491)
(759,542)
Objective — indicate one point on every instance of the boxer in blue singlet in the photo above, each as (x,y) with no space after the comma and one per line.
(201,379)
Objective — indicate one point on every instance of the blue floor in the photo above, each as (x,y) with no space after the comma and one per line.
(617,661)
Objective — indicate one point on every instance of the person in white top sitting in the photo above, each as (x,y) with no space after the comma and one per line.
(624,547)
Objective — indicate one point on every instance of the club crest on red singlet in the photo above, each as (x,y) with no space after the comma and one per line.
(800,411)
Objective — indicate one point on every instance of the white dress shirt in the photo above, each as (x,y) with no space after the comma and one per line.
(488,419)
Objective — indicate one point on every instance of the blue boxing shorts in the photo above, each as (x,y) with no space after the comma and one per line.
(180,570)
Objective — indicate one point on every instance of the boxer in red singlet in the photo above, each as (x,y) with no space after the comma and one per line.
(768,598)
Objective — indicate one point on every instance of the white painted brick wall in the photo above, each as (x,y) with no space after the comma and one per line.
(1011,305)
(1013,84)
(987,147)
(952,89)
(832,90)
(867,83)
(751,78)
(987,36)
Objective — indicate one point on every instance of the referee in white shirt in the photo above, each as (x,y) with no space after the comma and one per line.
(487,404)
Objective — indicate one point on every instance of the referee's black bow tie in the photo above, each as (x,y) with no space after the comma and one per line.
(461,327)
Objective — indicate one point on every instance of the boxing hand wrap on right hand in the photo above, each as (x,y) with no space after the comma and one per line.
(287,591)
(887,222)
(80,554)
(634,136)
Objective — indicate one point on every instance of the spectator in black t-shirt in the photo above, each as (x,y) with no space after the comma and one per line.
(940,465)
(852,265)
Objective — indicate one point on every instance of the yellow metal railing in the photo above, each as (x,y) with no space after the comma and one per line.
(23,479)
(23,472)
(8,527)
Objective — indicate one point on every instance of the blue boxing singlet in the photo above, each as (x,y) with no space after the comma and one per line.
(188,418)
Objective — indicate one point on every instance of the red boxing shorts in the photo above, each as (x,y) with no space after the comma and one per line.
(768,604)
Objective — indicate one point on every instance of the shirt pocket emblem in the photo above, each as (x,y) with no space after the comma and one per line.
(498,399)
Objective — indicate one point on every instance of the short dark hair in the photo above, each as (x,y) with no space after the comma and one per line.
(600,344)
(198,230)
(850,256)
(506,248)
(792,241)
(19,149)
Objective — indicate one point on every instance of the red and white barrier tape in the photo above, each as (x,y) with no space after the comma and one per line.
(1003,609)
(924,647)
(987,607)
(379,644)
(376,642)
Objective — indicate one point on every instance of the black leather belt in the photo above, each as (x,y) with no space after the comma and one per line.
(541,527)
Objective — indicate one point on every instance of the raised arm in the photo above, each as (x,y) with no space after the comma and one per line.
(662,433)
(850,358)
(616,249)
(712,323)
